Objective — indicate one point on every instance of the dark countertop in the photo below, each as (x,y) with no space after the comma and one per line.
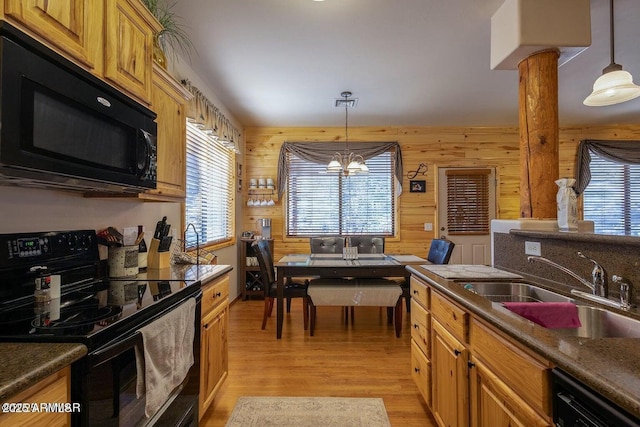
(25,363)
(610,366)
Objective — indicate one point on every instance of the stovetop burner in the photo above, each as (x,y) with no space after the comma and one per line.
(76,321)
(91,310)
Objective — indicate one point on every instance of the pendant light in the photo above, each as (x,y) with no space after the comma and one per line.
(347,163)
(614,85)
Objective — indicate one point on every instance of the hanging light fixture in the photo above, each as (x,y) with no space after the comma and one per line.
(347,163)
(614,85)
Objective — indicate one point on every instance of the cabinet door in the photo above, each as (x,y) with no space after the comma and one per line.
(214,363)
(53,389)
(494,404)
(65,24)
(168,104)
(128,48)
(450,396)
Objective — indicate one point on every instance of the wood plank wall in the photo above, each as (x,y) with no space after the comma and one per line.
(435,146)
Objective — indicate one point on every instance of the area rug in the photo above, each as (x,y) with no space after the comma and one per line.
(309,412)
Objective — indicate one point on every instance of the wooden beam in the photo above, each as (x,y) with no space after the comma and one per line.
(539,134)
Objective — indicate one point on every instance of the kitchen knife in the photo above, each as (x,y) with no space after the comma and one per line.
(165,244)
(157,234)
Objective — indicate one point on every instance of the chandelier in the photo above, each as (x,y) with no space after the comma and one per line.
(347,163)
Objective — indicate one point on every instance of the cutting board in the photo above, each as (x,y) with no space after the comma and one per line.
(462,271)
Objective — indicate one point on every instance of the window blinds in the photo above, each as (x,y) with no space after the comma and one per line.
(321,203)
(210,188)
(612,198)
(468,201)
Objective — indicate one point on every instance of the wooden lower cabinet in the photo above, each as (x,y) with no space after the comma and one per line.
(478,376)
(53,389)
(494,404)
(214,354)
(450,380)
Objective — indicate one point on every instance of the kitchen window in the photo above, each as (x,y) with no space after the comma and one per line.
(321,203)
(210,188)
(612,198)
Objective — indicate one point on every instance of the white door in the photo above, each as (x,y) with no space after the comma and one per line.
(457,213)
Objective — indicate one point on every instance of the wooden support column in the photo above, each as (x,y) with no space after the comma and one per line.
(539,134)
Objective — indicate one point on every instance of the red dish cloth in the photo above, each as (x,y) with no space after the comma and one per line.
(552,315)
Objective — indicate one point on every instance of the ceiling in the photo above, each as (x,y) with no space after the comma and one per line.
(409,62)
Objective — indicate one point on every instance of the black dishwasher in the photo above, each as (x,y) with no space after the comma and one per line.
(576,405)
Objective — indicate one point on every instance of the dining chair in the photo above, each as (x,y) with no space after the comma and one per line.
(326,244)
(292,288)
(367,244)
(439,253)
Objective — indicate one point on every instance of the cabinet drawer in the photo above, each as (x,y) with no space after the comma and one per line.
(526,375)
(455,319)
(421,372)
(420,327)
(214,293)
(419,292)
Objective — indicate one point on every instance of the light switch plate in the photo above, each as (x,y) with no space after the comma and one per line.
(428,226)
(532,248)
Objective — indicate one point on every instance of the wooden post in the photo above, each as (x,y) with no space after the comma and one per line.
(539,134)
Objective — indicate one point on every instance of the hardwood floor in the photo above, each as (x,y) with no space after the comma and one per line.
(362,359)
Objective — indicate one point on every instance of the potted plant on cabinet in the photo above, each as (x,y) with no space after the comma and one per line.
(173,36)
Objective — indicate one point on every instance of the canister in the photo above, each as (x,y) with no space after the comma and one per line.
(123,261)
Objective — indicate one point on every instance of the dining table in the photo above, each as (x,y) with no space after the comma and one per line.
(376,265)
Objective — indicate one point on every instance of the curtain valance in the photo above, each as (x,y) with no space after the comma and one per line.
(323,152)
(210,119)
(624,152)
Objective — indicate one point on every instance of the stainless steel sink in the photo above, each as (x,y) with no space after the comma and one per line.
(596,322)
(514,292)
(601,323)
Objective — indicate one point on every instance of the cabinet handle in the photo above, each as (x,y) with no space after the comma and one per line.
(457,352)
(416,369)
(217,295)
(206,325)
(416,326)
(470,364)
(415,292)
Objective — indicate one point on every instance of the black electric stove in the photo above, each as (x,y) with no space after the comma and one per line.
(100,312)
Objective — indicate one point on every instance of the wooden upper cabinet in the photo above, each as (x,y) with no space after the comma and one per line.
(128,49)
(168,100)
(72,27)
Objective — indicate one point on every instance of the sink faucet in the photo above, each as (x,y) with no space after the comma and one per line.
(598,278)
(597,286)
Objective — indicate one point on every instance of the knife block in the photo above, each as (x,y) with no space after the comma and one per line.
(157,259)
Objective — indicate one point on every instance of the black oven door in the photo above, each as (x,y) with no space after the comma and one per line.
(105,384)
(59,119)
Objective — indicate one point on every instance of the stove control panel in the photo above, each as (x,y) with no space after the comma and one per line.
(43,246)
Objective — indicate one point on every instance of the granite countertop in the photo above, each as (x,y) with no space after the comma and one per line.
(186,272)
(24,364)
(610,366)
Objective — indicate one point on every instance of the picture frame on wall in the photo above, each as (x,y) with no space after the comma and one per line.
(239,175)
(417,186)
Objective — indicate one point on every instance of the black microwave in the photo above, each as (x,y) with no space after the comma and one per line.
(63,127)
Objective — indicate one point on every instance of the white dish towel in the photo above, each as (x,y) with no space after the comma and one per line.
(167,355)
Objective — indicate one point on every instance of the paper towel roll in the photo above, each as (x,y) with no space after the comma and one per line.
(54,286)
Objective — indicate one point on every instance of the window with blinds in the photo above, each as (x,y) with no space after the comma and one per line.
(210,189)
(321,203)
(612,198)
(468,201)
